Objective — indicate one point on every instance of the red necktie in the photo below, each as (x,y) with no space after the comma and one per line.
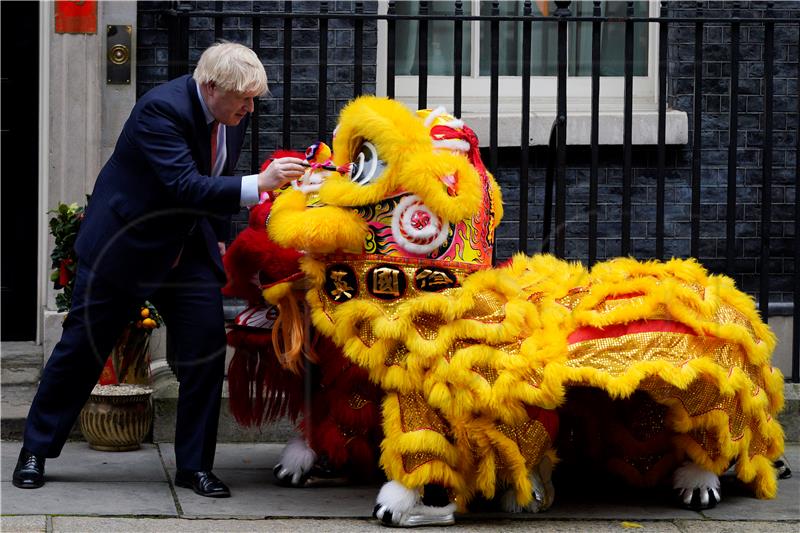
(214,130)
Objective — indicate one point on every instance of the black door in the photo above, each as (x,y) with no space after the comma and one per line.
(19,123)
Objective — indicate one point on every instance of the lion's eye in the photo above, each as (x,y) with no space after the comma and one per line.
(366,165)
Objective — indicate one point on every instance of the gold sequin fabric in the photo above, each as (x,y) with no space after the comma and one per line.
(416,415)
(530,437)
(414,460)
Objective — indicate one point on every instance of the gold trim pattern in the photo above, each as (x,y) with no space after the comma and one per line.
(412,461)
(531,438)
(416,414)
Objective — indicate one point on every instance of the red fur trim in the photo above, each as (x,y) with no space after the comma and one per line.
(257,219)
(242,261)
(259,388)
(254,255)
(363,460)
(277,154)
(328,439)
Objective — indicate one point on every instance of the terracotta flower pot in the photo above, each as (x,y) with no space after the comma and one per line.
(117,418)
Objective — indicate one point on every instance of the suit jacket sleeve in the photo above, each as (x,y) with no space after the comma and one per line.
(221,227)
(163,137)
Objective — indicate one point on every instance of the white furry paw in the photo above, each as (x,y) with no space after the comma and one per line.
(400,506)
(697,488)
(543,491)
(295,463)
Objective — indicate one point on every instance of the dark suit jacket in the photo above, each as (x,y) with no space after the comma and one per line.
(155,190)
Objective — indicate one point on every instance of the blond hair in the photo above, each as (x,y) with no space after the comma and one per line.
(232,67)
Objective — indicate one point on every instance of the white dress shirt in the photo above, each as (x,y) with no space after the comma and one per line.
(249,194)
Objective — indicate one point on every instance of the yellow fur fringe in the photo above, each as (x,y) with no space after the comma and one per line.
(528,353)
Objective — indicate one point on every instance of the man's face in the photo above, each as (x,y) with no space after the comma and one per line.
(228,107)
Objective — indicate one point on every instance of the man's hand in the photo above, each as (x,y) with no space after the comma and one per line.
(279,172)
(222,248)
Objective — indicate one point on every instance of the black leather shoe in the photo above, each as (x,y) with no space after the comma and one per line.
(29,472)
(203,482)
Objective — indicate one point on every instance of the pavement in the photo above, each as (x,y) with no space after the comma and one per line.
(93,491)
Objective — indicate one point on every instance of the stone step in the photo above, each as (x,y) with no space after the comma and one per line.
(17,398)
(790,416)
(165,405)
(20,363)
(228,431)
(16,402)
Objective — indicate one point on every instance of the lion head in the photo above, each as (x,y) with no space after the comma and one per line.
(399,187)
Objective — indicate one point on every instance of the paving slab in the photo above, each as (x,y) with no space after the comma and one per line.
(737,526)
(23,524)
(129,484)
(738,502)
(255,495)
(87,498)
(149,525)
(258,455)
(80,463)
(632,510)
(247,470)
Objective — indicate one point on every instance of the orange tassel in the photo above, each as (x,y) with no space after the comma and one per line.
(287,335)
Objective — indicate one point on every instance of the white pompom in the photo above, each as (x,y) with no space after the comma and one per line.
(297,457)
(397,498)
(692,476)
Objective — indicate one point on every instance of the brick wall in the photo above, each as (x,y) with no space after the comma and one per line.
(152,70)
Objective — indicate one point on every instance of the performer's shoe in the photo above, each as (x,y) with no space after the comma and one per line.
(782,466)
(399,506)
(203,482)
(696,488)
(417,516)
(29,472)
(322,474)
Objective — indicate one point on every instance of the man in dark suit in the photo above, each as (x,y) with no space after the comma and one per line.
(152,231)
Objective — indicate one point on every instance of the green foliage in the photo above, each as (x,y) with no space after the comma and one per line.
(64,227)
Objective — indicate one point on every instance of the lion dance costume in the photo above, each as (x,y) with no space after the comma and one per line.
(480,365)
(340,421)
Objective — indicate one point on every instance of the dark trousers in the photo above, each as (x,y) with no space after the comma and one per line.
(191,304)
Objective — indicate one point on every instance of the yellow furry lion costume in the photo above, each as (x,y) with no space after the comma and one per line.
(398,227)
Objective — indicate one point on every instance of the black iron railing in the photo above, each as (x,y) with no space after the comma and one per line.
(554,212)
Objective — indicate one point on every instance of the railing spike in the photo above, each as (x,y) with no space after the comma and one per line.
(562,8)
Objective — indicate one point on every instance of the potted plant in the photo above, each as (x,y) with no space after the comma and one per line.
(119,413)
(64,229)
